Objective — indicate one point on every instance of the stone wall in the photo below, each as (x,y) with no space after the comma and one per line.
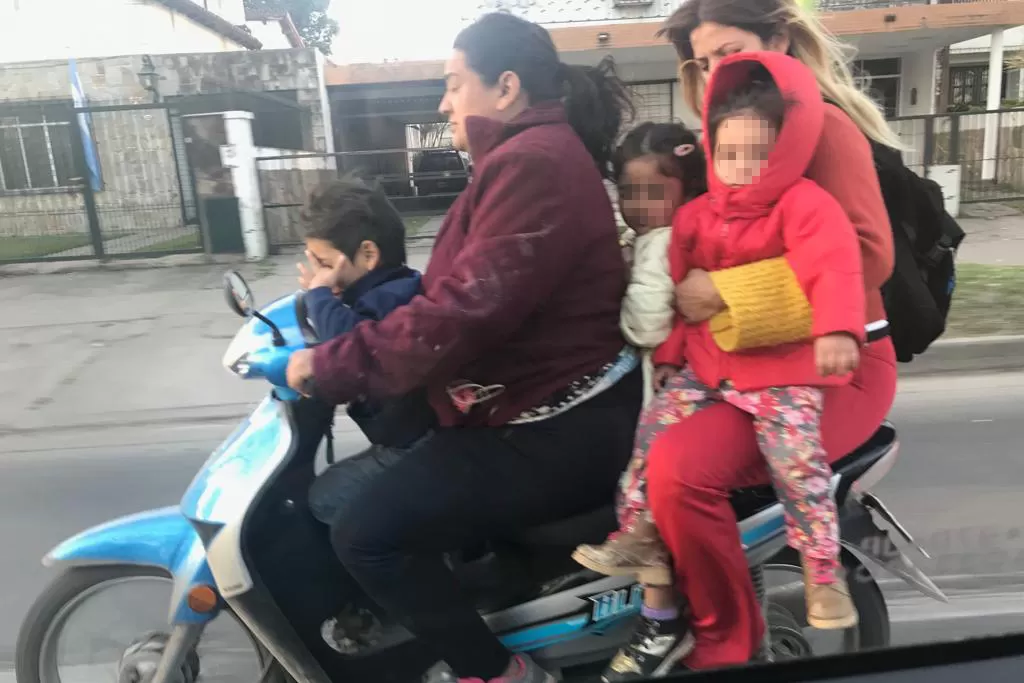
(140,191)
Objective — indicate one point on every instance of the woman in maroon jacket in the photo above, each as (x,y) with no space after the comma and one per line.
(516,338)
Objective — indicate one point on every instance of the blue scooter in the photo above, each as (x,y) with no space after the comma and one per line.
(243,544)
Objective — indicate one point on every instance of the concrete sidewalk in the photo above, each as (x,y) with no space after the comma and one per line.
(995,235)
(141,343)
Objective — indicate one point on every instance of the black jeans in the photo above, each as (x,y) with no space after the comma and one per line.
(340,484)
(463,486)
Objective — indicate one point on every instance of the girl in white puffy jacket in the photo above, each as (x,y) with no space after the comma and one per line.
(659,167)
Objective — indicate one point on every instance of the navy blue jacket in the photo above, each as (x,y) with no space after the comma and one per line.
(371,297)
(396,422)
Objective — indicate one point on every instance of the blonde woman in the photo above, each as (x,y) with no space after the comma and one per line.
(696,462)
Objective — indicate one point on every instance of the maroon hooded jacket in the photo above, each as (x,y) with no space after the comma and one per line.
(781,213)
(523,287)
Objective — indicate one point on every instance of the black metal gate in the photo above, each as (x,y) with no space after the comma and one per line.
(94,182)
(987,146)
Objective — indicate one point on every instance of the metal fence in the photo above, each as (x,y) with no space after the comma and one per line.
(987,147)
(419,181)
(95,182)
(850,5)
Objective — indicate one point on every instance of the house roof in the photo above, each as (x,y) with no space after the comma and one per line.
(950,23)
(282,18)
(212,21)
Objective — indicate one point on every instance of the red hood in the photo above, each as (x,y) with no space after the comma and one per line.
(797,140)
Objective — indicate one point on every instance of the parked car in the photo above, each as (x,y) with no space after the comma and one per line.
(440,171)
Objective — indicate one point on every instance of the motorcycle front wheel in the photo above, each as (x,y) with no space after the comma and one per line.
(129,634)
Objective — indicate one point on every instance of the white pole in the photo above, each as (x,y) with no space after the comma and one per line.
(240,156)
(995,83)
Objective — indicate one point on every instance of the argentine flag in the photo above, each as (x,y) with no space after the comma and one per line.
(92,161)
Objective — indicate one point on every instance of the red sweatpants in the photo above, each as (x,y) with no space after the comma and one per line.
(691,469)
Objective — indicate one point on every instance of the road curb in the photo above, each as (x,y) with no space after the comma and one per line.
(416,243)
(196,415)
(192,415)
(968,355)
(946,357)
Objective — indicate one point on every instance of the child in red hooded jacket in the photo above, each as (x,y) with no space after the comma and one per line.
(764,115)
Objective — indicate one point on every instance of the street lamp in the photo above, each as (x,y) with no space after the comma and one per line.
(149,78)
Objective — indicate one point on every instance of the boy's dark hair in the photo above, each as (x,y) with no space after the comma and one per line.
(661,141)
(348,212)
(759,96)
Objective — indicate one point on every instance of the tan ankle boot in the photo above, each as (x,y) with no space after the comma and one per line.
(639,553)
(828,604)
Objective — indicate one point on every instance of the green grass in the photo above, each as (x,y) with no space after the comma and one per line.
(36,246)
(988,300)
(182,243)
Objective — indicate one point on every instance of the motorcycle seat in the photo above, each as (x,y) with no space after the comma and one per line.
(747,502)
(595,525)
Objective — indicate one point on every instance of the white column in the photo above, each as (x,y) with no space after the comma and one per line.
(240,156)
(325,104)
(995,81)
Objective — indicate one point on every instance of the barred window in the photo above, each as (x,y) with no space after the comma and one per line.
(653,101)
(36,148)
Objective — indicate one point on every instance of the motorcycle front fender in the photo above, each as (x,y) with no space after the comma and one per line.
(861,535)
(162,538)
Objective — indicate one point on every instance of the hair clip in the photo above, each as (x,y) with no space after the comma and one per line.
(682,150)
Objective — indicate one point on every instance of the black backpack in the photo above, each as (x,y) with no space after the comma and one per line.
(925,237)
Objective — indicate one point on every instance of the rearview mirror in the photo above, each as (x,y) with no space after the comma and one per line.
(238,294)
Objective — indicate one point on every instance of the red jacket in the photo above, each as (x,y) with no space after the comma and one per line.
(782,213)
(523,287)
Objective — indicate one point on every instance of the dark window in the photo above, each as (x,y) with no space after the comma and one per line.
(877,67)
(881,79)
(36,147)
(433,162)
(968,85)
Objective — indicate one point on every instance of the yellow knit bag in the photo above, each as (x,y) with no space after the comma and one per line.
(765,306)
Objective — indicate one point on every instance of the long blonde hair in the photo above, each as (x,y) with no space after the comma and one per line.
(809,42)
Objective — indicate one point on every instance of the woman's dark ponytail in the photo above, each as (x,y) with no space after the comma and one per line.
(596,101)
(598,105)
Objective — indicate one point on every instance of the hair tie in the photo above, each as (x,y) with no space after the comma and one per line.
(682,150)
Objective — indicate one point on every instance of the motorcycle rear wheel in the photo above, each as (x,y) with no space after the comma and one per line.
(786,614)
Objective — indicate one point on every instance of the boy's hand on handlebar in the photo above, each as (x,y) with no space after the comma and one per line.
(836,354)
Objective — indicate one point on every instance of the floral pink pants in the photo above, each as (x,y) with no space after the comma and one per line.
(787,424)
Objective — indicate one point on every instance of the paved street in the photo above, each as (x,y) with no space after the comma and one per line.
(956,487)
(112,395)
